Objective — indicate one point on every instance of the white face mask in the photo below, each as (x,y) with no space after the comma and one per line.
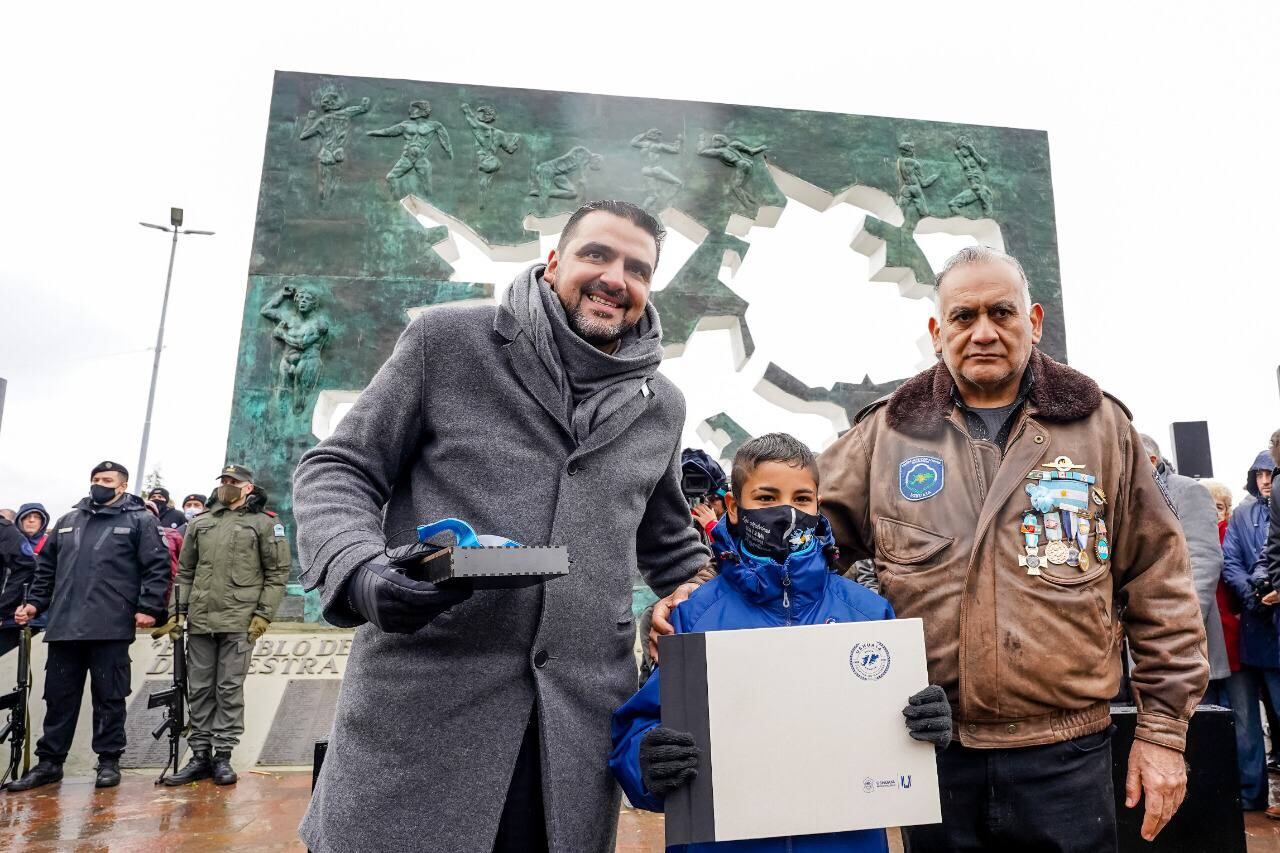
(190,512)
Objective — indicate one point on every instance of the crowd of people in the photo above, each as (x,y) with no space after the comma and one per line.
(117,563)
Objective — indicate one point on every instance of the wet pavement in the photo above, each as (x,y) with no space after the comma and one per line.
(260,813)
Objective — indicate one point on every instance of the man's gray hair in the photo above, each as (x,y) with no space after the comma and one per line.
(970,255)
(1149,443)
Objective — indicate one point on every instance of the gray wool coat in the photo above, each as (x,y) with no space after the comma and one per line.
(458,422)
(1199,518)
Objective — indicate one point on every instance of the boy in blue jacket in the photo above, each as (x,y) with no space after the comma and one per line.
(772,549)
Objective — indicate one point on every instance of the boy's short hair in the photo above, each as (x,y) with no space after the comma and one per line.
(771,447)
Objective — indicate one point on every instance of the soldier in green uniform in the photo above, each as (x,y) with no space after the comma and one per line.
(232,572)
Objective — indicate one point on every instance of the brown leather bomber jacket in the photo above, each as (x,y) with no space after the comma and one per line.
(1025,658)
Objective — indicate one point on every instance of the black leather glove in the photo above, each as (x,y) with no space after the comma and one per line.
(668,759)
(395,602)
(928,716)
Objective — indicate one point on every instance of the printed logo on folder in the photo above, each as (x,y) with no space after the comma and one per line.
(869,661)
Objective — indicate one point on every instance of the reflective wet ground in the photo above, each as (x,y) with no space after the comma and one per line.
(260,813)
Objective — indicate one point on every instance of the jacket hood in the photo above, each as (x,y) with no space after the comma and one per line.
(130,503)
(1264,462)
(759,579)
(922,404)
(39,510)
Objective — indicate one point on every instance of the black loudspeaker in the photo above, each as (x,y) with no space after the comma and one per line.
(1210,817)
(1191,454)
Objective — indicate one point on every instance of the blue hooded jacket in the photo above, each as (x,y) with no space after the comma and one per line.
(1241,560)
(751,592)
(39,509)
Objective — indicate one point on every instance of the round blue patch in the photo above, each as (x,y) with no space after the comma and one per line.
(920,477)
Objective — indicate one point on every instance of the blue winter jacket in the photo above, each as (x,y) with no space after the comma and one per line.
(1241,556)
(751,592)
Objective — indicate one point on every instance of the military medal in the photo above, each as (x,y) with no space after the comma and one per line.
(1031,536)
(1083,525)
(1082,533)
(1101,547)
(1030,530)
(1062,494)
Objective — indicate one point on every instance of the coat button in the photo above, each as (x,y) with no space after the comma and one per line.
(540,659)
(971,728)
(1039,439)
(573,468)
(1013,727)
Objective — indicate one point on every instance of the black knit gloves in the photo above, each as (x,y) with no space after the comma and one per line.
(928,716)
(668,759)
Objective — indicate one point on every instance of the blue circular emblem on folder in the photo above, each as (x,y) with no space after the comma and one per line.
(920,477)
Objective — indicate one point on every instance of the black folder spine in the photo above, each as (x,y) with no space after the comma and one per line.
(690,810)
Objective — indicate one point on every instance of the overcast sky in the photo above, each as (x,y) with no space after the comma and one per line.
(1162,120)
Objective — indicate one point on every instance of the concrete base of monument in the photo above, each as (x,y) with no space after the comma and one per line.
(290,694)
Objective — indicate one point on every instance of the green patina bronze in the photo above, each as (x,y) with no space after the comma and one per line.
(339,260)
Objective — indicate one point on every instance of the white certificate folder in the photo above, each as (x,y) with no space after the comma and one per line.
(801,730)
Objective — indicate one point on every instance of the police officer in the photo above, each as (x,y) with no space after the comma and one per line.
(169,515)
(193,505)
(101,575)
(231,574)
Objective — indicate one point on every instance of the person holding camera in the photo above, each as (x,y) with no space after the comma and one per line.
(1245,575)
(704,485)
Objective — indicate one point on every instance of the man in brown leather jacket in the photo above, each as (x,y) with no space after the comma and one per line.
(1009,503)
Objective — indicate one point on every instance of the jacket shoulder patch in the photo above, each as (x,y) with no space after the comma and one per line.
(279,530)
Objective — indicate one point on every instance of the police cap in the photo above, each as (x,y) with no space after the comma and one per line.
(110,466)
(236,472)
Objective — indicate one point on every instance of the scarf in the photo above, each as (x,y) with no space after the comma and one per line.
(592,384)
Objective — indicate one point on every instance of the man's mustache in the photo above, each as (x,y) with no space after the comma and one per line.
(619,296)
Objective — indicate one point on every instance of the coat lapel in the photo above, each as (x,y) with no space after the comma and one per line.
(532,374)
(1022,455)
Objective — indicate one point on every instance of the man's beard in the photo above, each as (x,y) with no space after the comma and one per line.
(593,330)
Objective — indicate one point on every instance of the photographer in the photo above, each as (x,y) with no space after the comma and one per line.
(1245,574)
(704,485)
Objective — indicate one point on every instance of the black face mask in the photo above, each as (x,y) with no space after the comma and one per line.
(161,504)
(101,494)
(774,531)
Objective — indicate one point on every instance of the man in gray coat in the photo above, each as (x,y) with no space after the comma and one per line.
(1199,518)
(481,722)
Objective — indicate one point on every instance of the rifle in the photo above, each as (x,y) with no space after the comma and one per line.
(15,702)
(173,699)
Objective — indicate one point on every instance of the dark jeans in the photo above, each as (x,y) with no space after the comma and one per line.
(1242,691)
(1055,798)
(523,827)
(107,664)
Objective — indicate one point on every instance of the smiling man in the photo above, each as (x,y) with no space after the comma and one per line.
(478,721)
(1009,503)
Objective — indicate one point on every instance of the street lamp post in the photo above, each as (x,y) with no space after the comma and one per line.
(175,221)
